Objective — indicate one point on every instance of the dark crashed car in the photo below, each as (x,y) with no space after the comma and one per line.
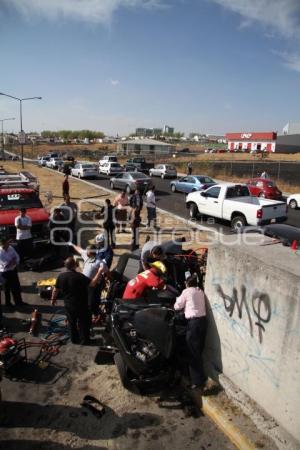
(149,336)
(287,234)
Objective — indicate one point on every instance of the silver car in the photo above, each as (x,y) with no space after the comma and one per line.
(130,181)
(163,171)
(43,160)
(84,170)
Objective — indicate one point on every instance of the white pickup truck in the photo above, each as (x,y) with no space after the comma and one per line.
(234,203)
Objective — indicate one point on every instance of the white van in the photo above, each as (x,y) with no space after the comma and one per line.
(107,159)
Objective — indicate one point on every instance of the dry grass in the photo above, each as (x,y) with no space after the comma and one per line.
(33,151)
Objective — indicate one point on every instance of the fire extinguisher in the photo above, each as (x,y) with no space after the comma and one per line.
(36,318)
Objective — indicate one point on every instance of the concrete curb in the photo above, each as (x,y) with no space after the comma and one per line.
(218,416)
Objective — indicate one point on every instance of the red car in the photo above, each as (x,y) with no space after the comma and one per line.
(263,187)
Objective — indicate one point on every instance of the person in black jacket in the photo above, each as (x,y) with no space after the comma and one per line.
(109,223)
(73,288)
(136,201)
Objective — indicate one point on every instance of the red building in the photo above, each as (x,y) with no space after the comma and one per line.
(251,141)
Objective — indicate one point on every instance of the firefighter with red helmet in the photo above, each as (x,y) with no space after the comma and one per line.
(151,278)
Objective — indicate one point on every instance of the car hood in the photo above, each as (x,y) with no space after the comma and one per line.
(36,215)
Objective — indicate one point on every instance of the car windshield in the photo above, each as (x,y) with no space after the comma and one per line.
(205,180)
(18,200)
(138,175)
(115,165)
(170,167)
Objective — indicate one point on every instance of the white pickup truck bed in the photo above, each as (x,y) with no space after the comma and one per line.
(220,201)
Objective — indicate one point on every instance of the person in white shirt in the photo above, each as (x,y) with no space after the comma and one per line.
(94,269)
(192,301)
(23,225)
(9,259)
(151,207)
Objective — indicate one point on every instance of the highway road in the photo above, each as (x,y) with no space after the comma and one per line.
(175,203)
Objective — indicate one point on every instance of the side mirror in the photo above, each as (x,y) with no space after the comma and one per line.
(204,194)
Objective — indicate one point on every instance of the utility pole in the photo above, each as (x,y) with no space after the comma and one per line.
(21,135)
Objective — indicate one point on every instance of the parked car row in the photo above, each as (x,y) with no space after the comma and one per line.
(132,174)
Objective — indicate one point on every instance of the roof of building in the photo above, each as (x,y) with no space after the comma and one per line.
(145,142)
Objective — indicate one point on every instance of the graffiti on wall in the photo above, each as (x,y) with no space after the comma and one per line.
(259,303)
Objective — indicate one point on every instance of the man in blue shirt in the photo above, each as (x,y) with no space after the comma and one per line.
(104,251)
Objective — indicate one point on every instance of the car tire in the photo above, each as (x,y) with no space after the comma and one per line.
(173,188)
(238,222)
(193,210)
(128,189)
(123,374)
(112,186)
(293,204)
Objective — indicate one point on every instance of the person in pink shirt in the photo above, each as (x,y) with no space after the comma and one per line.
(121,203)
(192,300)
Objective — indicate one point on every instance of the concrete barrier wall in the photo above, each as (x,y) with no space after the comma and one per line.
(254,334)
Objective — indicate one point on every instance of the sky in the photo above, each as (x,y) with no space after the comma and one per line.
(209,66)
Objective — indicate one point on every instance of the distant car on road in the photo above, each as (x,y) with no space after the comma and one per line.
(110,168)
(130,181)
(163,171)
(106,159)
(191,183)
(43,160)
(294,201)
(53,163)
(53,155)
(84,170)
(137,164)
(265,188)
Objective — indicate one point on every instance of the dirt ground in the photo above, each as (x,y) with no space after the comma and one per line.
(41,407)
(41,404)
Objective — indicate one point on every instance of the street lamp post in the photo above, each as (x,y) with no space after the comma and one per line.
(21,120)
(2,135)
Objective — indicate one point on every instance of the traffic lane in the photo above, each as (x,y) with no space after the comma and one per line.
(175,204)
(172,202)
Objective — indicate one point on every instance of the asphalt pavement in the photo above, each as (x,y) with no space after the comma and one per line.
(175,204)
